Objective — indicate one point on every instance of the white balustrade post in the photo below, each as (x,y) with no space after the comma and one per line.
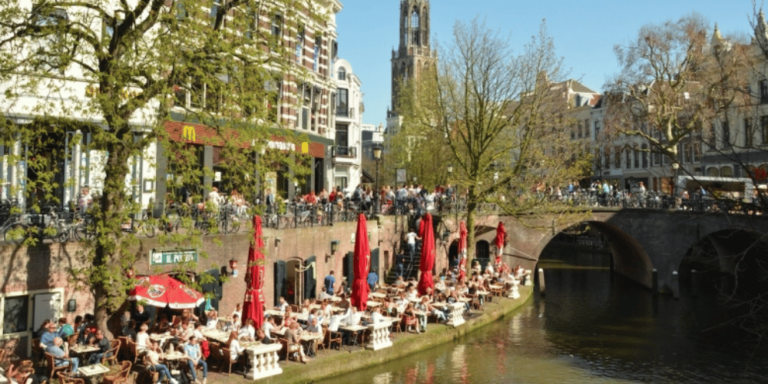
(379,338)
(264,360)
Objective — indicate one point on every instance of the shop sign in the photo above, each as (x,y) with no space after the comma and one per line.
(173,256)
(281,145)
(188,133)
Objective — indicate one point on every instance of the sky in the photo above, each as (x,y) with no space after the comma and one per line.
(584,33)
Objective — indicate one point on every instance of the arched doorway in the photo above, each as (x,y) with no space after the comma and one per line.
(483,253)
(453,255)
(295,280)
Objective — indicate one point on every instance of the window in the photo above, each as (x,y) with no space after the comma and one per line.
(656,158)
(645,155)
(415,23)
(197,94)
(748,132)
(628,153)
(607,158)
(712,137)
(50,49)
(726,171)
(696,152)
(342,73)
(15,316)
(573,133)
(215,6)
(726,134)
(340,182)
(617,157)
(764,129)
(763,91)
(334,54)
(713,172)
(342,102)
(597,128)
(318,46)
(300,44)
(277,28)
(580,129)
(687,153)
(637,157)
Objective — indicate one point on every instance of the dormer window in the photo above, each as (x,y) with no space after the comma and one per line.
(342,74)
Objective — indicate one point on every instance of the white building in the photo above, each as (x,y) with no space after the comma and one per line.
(346,153)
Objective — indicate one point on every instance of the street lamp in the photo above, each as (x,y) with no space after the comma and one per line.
(495,177)
(450,169)
(377,193)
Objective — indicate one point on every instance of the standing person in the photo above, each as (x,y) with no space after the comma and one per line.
(373,278)
(140,316)
(410,239)
(85,199)
(214,197)
(399,267)
(237,311)
(195,358)
(329,282)
(269,199)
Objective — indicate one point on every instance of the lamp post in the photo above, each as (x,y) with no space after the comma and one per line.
(377,157)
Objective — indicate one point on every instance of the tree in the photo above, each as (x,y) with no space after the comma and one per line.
(501,119)
(673,84)
(138,62)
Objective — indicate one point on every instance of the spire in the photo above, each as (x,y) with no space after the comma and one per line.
(761,30)
(717,37)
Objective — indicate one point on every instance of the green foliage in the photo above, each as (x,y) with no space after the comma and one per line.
(115,73)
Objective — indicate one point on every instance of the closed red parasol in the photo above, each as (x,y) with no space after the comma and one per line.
(462,250)
(253,304)
(501,239)
(165,291)
(427,254)
(362,262)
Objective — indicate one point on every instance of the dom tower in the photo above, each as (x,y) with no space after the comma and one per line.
(413,55)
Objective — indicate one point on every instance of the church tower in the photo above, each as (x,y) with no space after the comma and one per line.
(414,53)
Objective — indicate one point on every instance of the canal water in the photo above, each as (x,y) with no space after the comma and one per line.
(590,328)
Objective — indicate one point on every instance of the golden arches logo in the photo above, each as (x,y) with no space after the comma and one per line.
(188,133)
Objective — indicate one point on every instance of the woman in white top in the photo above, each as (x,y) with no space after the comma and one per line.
(235,350)
(238,311)
(142,338)
(248,331)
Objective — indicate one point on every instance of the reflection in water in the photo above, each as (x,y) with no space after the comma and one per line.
(589,328)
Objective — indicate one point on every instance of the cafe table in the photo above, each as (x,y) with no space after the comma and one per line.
(92,372)
(161,338)
(216,335)
(373,304)
(355,330)
(173,359)
(378,295)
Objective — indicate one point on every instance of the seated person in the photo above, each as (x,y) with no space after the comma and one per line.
(248,331)
(281,305)
(61,358)
(163,325)
(288,318)
(195,358)
(98,340)
(305,308)
(46,340)
(65,330)
(334,323)
(376,317)
(154,353)
(142,339)
(268,326)
(213,320)
(24,374)
(314,326)
(292,336)
(233,344)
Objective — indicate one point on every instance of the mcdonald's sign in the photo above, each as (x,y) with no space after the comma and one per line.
(188,133)
(304,147)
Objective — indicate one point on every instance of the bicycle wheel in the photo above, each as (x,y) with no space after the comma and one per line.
(147,229)
(62,234)
(283,222)
(15,233)
(234,225)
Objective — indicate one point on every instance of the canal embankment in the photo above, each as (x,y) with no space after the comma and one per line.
(333,363)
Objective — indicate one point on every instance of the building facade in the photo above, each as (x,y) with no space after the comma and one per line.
(347,150)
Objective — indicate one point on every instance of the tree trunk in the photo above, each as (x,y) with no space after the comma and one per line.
(471,208)
(106,280)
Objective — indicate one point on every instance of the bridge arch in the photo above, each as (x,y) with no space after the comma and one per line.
(629,257)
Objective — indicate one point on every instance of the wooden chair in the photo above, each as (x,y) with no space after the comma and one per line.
(226,358)
(215,356)
(123,346)
(54,369)
(120,377)
(295,308)
(334,337)
(111,354)
(37,352)
(410,321)
(131,350)
(65,378)
(321,343)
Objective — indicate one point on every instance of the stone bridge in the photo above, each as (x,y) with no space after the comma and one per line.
(641,241)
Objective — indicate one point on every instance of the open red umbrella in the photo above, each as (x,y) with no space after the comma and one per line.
(253,304)
(501,239)
(165,291)
(427,254)
(462,250)
(362,261)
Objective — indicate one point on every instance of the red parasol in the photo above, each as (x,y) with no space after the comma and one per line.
(362,262)
(165,291)
(462,250)
(501,239)
(253,305)
(427,254)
